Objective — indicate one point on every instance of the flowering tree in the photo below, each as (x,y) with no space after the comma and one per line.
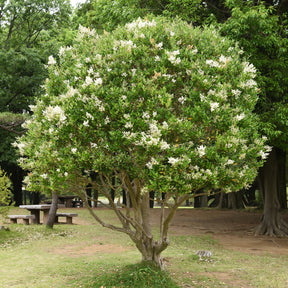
(154,106)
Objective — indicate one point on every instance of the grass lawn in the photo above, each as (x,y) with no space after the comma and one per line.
(87,255)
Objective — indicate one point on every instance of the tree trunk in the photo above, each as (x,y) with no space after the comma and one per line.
(151,252)
(89,194)
(272,223)
(204,201)
(149,248)
(281,178)
(222,203)
(52,212)
(200,201)
(232,201)
(235,200)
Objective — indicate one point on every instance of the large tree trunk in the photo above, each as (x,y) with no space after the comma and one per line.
(52,212)
(281,178)
(272,223)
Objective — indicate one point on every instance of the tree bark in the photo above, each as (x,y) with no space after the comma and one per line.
(52,212)
(222,201)
(281,178)
(272,223)
(149,248)
(235,200)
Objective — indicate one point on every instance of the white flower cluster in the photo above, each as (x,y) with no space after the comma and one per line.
(152,162)
(213,63)
(172,57)
(83,31)
(55,113)
(201,150)
(214,106)
(236,92)
(128,44)
(89,117)
(223,61)
(89,81)
(139,24)
(70,93)
(98,103)
(173,161)
(182,99)
(240,116)
(152,137)
(159,45)
(51,60)
(21,146)
(249,84)
(249,68)
(200,174)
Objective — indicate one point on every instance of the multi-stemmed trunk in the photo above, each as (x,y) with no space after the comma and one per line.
(149,248)
(135,219)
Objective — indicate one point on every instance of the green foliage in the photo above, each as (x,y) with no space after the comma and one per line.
(22,51)
(157,100)
(108,14)
(28,34)
(10,122)
(263,35)
(22,21)
(5,193)
(195,12)
(22,72)
(7,118)
(139,275)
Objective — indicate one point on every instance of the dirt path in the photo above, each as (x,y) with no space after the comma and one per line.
(233,229)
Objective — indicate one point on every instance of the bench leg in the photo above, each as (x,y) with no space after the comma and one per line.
(13,221)
(56,219)
(68,220)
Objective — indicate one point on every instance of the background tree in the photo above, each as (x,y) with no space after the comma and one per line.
(27,38)
(261,30)
(153,107)
(108,14)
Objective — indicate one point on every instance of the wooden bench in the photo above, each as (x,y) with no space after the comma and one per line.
(69,217)
(25,218)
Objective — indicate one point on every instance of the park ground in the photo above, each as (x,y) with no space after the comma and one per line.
(86,255)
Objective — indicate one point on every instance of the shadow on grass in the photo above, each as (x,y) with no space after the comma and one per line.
(140,275)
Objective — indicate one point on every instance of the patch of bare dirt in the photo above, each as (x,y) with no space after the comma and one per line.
(85,249)
(232,229)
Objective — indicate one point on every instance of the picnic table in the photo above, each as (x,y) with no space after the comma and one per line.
(35,210)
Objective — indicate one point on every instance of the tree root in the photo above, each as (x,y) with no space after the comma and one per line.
(279,229)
